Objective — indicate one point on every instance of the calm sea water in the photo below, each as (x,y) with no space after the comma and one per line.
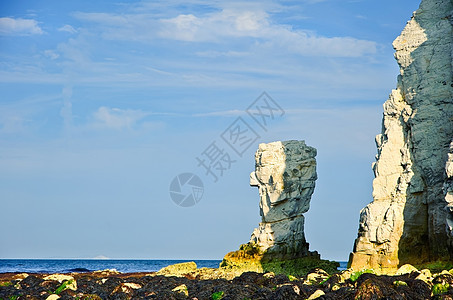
(81,265)
(343,265)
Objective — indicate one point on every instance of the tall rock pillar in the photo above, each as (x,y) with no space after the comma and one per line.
(407,222)
(285,174)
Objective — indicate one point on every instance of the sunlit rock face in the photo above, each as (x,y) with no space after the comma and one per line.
(285,174)
(448,192)
(410,219)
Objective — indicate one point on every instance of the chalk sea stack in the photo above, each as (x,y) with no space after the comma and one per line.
(285,174)
(411,217)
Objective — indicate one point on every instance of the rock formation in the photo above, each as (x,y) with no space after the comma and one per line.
(448,192)
(410,219)
(285,174)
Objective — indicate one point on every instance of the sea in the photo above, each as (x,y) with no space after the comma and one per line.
(88,265)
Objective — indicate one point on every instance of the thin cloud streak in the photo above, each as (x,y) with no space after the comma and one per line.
(19,26)
(67,28)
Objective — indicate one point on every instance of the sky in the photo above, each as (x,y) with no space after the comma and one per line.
(104,103)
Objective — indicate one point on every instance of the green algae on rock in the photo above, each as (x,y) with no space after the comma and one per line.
(249,258)
(249,285)
(178,269)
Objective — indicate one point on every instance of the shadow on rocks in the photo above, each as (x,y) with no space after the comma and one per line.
(371,286)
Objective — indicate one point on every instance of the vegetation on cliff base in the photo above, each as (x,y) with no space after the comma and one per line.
(436,266)
(250,258)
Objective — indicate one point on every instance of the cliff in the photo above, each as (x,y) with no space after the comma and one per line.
(410,219)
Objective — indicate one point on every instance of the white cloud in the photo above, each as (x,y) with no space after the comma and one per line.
(225,113)
(228,25)
(116,118)
(239,48)
(183,27)
(51,54)
(234,24)
(11,26)
(126,27)
(307,43)
(250,21)
(213,54)
(67,28)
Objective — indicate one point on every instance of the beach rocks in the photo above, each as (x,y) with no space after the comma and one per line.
(59,277)
(405,269)
(106,272)
(316,277)
(411,217)
(182,290)
(371,286)
(250,285)
(179,269)
(316,295)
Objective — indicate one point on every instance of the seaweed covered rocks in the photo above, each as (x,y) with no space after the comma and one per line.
(317,284)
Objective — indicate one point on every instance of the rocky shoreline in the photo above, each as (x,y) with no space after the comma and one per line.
(187,283)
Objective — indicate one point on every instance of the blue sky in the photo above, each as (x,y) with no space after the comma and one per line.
(104,103)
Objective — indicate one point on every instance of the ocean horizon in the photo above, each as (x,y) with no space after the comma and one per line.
(89,265)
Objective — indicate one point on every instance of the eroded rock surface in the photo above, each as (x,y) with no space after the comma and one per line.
(410,219)
(285,174)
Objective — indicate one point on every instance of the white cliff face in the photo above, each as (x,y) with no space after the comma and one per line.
(408,221)
(448,192)
(285,174)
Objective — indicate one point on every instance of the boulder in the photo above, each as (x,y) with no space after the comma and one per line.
(178,269)
(406,269)
(316,295)
(182,290)
(59,277)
